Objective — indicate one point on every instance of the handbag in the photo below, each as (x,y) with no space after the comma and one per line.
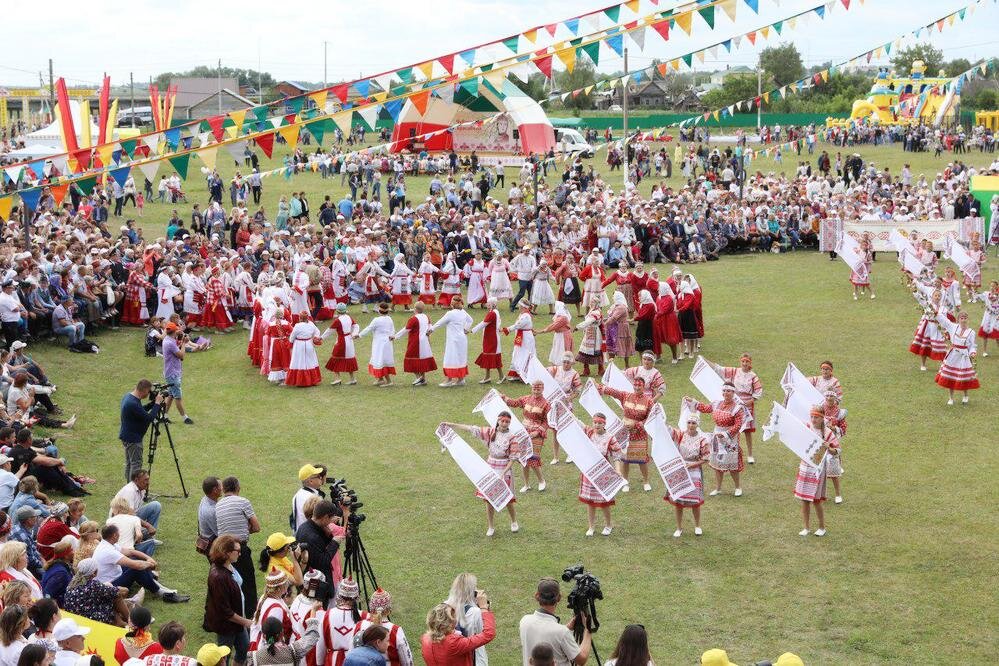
(203,544)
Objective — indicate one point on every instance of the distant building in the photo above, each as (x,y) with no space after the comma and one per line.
(291,88)
(209,106)
(651,95)
(718,78)
(194,91)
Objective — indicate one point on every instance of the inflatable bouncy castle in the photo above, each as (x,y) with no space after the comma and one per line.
(906,100)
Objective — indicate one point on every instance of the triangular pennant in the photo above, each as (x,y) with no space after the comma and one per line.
(296,104)
(87,184)
(237,117)
(531,35)
(149,169)
(319,97)
(729,7)
(544,66)
(765,31)
(572,25)
(568,58)
(751,36)
(632,5)
(778,26)
(638,36)
(661,68)
(341,91)
(266,143)
(30,198)
(684,19)
(613,12)
(128,145)
(6,205)
(14,173)
(394,108)
(181,162)
(120,175)
(662,27)
(105,151)
(471,86)
(343,121)
(616,43)
(468,56)
(754,5)
(427,69)
(215,123)
(172,136)
(688,59)
(512,43)
(708,14)
(290,135)
(447,62)
(209,156)
(405,75)
(846,4)
(369,116)
(82,157)
(420,101)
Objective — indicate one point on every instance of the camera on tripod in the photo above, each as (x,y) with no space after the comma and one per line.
(341,495)
(586,591)
(157,389)
(355,557)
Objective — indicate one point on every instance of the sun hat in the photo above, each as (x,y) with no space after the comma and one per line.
(67,628)
(308,471)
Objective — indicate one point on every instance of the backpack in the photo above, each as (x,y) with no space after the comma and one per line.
(84,347)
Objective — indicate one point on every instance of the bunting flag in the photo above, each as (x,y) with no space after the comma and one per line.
(318,129)
(568,58)
(209,156)
(266,143)
(420,101)
(684,20)
(544,66)
(30,198)
(708,14)
(616,43)
(290,134)
(181,162)
(120,175)
(58,192)
(149,169)
(592,52)
(662,27)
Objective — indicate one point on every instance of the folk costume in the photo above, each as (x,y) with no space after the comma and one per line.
(607,445)
(957,372)
(491,357)
(726,452)
(343,358)
(619,341)
(382,363)
(535,420)
(304,367)
(419,357)
(561,329)
(591,346)
(635,409)
(456,323)
(693,449)
(134,310)
(450,281)
(474,272)
(215,313)
(524,345)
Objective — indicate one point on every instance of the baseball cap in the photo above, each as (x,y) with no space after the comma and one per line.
(18,345)
(210,654)
(5,459)
(67,628)
(26,512)
(277,541)
(308,471)
(171,327)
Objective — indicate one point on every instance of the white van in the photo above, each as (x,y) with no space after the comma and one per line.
(570,142)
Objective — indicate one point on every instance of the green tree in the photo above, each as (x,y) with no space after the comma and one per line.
(536,87)
(956,66)
(783,63)
(583,74)
(985,100)
(931,57)
(736,87)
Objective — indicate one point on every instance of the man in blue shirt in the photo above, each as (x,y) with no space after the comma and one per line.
(24,528)
(135,420)
(346,207)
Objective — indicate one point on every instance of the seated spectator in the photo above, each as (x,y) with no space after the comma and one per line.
(19,361)
(211,654)
(65,322)
(14,622)
(9,481)
(15,592)
(36,654)
(6,525)
(90,536)
(89,597)
(49,471)
(14,566)
(44,615)
(21,400)
(134,492)
(71,639)
(137,643)
(59,569)
(172,637)
(130,527)
(372,649)
(28,495)
(25,520)
(54,528)
(123,567)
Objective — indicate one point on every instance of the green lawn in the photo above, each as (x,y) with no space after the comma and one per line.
(902,577)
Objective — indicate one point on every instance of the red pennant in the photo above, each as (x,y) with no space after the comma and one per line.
(575,93)
(215,122)
(142,151)
(752,37)
(551,28)
(420,101)
(59,193)
(266,143)
(661,68)
(341,92)
(289,119)
(662,27)
(447,62)
(631,26)
(82,158)
(818,79)
(756,101)
(846,4)
(545,66)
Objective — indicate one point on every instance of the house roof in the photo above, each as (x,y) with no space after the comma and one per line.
(225,91)
(296,84)
(192,90)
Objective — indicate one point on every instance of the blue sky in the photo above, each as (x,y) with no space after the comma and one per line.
(370,37)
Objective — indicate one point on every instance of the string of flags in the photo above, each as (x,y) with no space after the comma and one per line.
(418,82)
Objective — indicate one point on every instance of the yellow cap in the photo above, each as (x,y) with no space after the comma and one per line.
(715,657)
(789,659)
(308,471)
(277,541)
(211,654)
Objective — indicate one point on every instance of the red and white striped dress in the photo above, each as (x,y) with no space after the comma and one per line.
(928,341)
(500,450)
(748,388)
(606,444)
(134,310)
(810,485)
(215,313)
(990,320)
(635,409)
(343,358)
(491,357)
(693,448)
(535,421)
(726,453)
(957,371)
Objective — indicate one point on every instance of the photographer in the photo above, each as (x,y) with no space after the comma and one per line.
(314,537)
(135,420)
(542,626)
(173,358)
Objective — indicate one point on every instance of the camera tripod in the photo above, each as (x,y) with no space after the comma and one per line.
(154,438)
(356,562)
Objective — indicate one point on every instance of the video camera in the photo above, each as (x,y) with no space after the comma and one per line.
(341,495)
(157,389)
(582,601)
(355,557)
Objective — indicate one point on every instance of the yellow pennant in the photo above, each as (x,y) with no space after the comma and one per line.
(319,99)
(684,19)
(632,5)
(342,121)
(792,22)
(878,52)
(427,69)
(728,6)
(587,90)
(290,134)
(380,97)
(568,58)
(6,205)
(237,117)
(825,76)
(700,56)
(950,19)
(765,32)
(231,131)
(766,97)
(675,64)
(208,156)
(105,152)
(715,114)
(531,35)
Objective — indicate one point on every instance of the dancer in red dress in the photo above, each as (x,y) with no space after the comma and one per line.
(491,357)
(278,348)
(695,449)
(635,406)
(215,313)
(929,340)
(749,389)
(419,358)
(535,419)
(825,381)
(666,325)
(254,349)
(726,453)
(343,358)
(989,330)
(607,445)
(957,371)
(135,311)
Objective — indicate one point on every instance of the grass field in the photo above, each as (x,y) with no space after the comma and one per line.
(902,577)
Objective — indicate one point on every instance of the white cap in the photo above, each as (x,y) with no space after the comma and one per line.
(67,628)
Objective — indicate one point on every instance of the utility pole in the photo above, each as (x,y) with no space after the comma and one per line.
(131,85)
(260,77)
(324,63)
(624,114)
(51,86)
(220,85)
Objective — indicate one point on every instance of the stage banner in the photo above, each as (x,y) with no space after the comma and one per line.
(570,434)
(594,403)
(483,477)
(490,407)
(880,230)
(533,371)
(795,435)
(799,393)
(666,455)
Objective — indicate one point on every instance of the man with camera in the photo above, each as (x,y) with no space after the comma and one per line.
(135,420)
(543,626)
(314,537)
(173,358)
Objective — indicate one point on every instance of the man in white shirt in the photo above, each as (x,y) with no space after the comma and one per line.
(8,482)
(11,311)
(524,266)
(124,566)
(135,493)
(542,626)
(70,637)
(312,479)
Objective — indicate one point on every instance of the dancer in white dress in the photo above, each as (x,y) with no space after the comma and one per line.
(457,323)
(382,363)
(499,278)
(541,289)
(166,291)
(475,272)
(524,346)
(304,367)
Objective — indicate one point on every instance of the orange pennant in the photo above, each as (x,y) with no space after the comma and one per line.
(420,100)
(59,193)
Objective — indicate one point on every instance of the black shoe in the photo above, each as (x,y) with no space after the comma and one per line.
(188,420)
(175,598)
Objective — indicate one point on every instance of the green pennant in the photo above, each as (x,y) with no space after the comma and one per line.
(576,42)
(708,14)
(405,75)
(486,68)
(592,52)
(180,164)
(261,112)
(491,88)
(688,59)
(87,184)
(319,128)
(296,104)
(512,43)
(613,12)
(471,86)
(777,26)
(128,145)
(396,91)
